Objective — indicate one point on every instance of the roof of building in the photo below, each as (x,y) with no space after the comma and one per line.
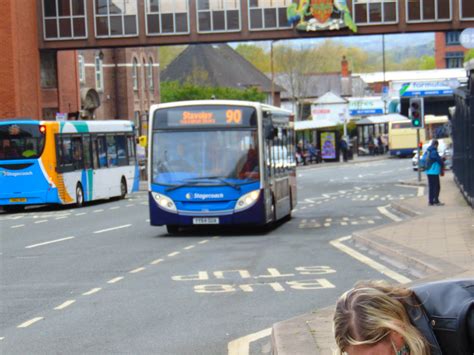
(314,124)
(216,65)
(381,119)
(413,75)
(329,98)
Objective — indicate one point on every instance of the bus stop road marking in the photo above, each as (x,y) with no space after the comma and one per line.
(92,291)
(64,305)
(97,211)
(50,242)
(18,226)
(337,243)
(112,229)
(383,210)
(241,346)
(30,322)
(114,280)
(42,221)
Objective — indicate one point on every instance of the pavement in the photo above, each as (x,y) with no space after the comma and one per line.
(434,243)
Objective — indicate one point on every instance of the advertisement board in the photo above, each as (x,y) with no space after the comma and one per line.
(329,143)
(365,106)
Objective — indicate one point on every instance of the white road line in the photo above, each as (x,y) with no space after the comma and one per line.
(117,279)
(64,305)
(157,261)
(97,211)
(130,205)
(137,270)
(63,217)
(241,346)
(203,241)
(173,253)
(50,242)
(18,226)
(30,322)
(114,208)
(337,243)
(383,210)
(92,291)
(189,247)
(42,221)
(112,229)
(80,214)
(421,191)
(1,338)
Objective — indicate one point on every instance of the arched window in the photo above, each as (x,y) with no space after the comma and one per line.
(151,82)
(135,74)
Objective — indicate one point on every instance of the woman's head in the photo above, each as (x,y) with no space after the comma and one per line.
(371,319)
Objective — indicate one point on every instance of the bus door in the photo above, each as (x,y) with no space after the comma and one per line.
(99,163)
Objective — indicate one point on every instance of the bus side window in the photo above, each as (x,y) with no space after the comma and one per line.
(131,150)
(121,143)
(86,144)
(95,153)
(77,155)
(102,151)
(66,153)
(111,151)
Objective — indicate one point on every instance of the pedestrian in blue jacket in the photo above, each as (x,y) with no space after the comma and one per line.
(434,169)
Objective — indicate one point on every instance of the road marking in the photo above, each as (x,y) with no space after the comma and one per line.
(189,247)
(91,292)
(63,217)
(130,205)
(383,210)
(1,338)
(337,243)
(64,305)
(80,214)
(173,253)
(50,242)
(18,226)
(112,229)
(241,346)
(42,221)
(117,279)
(157,261)
(137,270)
(115,208)
(203,241)
(97,211)
(30,322)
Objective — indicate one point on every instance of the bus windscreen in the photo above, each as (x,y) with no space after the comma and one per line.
(205,117)
(21,141)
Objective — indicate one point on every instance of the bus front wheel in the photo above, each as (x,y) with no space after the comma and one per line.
(123,189)
(79,196)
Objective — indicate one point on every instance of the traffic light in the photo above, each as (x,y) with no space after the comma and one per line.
(416,112)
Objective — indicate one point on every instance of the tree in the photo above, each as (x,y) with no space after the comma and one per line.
(255,55)
(172,91)
(469,55)
(427,63)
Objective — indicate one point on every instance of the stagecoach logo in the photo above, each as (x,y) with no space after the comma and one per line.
(8,173)
(201,196)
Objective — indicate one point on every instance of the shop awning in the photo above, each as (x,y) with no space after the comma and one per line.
(381,119)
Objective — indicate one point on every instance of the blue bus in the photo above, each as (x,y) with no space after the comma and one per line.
(70,162)
(220,162)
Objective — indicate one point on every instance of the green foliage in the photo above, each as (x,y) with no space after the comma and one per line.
(173,91)
(351,129)
(469,55)
(427,63)
(255,55)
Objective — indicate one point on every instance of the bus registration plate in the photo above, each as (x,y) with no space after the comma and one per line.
(205,220)
(18,200)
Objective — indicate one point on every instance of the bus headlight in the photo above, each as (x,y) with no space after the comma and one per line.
(247,200)
(164,202)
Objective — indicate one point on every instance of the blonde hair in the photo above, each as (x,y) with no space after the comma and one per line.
(367,314)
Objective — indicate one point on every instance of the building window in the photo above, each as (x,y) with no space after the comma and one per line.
(218,15)
(64,19)
(268,15)
(454,59)
(99,73)
(48,70)
(452,38)
(428,10)
(135,74)
(82,68)
(167,17)
(116,18)
(151,82)
(466,9)
(369,12)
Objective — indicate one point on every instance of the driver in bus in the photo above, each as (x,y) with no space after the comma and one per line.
(180,162)
(250,168)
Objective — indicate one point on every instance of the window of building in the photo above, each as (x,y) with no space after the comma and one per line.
(116,18)
(452,38)
(454,59)
(135,74)
(428,10)
(99,73)
(218,15)
(268,14)
(151,81)
(167,17)
(82,68)
(64,19)
(467,10)
(368,12)
(48,70)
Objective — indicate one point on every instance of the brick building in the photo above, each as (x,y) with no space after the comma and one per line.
(448,50)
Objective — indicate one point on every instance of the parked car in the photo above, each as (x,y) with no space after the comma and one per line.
(444,150)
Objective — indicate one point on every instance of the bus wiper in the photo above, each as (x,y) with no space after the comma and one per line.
(177,186)
(218,178)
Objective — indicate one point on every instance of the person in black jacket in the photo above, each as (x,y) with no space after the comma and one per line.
(376,318)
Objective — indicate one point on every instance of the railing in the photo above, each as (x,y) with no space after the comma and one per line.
(463,139)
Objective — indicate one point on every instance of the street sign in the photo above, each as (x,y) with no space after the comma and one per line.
(61,116)
(429,88)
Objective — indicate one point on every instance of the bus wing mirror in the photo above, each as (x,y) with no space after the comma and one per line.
(270,131)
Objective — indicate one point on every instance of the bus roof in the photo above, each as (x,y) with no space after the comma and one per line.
(81,126)
(429,119)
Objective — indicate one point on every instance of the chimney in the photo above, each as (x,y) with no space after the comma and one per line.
(344,67)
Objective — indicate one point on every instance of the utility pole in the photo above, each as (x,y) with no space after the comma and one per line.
(273,71)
